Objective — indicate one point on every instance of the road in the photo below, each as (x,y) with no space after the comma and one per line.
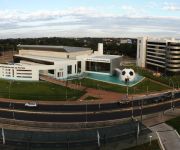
(92,107)
(86,117)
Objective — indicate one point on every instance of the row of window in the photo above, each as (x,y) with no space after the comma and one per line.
(156,43)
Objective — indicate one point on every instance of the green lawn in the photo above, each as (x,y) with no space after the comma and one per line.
(175,123)
(168,80)
(139,88)
(37,91)
(154,146)
(48,91)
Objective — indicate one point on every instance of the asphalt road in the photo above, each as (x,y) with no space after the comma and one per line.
(91,107)
(85,117)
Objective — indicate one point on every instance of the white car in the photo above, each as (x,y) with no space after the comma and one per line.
(31,104)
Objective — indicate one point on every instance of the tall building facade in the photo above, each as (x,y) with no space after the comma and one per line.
(161,55)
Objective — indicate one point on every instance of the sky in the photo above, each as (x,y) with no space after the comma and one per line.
(89,18)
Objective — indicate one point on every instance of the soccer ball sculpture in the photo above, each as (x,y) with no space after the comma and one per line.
(127,75)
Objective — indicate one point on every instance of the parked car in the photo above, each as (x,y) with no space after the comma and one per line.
(31,104)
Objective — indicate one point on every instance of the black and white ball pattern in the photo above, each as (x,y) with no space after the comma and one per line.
(127,75)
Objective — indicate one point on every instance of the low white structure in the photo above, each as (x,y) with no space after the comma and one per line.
(60,62)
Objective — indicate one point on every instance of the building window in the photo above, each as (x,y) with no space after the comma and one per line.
(75,68)
(51,71)
(98,66)
(79,67)
(69,69)
(139,52)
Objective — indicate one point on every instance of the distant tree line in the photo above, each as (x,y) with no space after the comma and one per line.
(111,45)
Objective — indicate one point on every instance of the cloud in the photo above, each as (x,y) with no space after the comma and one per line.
(171,6)
(86,21)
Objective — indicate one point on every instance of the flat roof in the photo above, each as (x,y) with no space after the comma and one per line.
(67,49)
(43,58)
(109,57)
(163,40)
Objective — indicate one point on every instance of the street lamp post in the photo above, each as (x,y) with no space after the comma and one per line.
(172,95)
(86,111)
(147,90)
(133,104)
(9,89)
(150,139)
(3,136)
(66,89)
(132,115)
(141,109)
(127,91)
(172,103)
(137,132)
(13,111)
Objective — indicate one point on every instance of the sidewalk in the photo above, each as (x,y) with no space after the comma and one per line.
(169,138)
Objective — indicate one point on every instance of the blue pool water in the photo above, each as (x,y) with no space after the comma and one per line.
(113,79)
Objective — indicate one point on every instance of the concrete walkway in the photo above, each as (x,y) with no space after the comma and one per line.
(168,136)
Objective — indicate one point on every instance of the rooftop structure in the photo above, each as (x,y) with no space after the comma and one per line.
(67,49)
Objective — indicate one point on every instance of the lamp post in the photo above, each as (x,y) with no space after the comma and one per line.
(132,115)
(13,111)
(66,89)
(98,139)
(172,103)
(137,132)
(172,94)
(86,111)
(147,90)
(9,89)
(3,136)
(133,104)
(150,139)
(127,91)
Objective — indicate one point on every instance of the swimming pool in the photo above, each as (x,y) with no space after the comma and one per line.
(113,79)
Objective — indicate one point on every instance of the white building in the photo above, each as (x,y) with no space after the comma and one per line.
(60,62)
(162,55)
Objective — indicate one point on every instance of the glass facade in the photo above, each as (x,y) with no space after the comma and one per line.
(69,69)
(98,66)
(79,66)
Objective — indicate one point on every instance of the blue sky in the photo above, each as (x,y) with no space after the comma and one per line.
(89,18)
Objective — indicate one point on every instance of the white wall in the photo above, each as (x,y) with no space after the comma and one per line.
(18,72)
(141,52)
